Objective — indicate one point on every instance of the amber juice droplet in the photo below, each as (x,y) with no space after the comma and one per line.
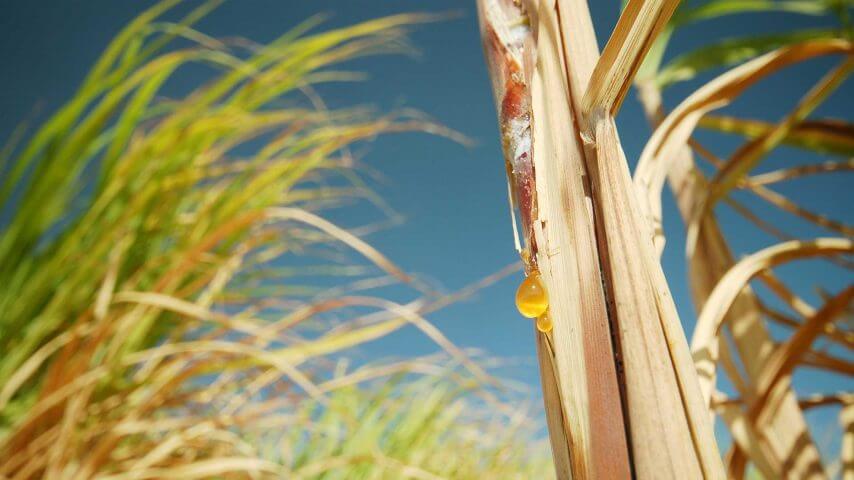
(531,298)
(544,323)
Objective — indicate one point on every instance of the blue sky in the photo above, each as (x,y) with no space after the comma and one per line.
(453,199)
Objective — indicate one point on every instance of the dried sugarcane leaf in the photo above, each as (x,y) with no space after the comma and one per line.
(761,452)
(827,362)
(823,136)
(786,357)
(776,199)
(822,399)
(749,440)
(815,400)
(675,130)
(787,436)
(636,30)
(747,157)
(786,174)
(837,335)
(704,343)
(846,457)
(796,303)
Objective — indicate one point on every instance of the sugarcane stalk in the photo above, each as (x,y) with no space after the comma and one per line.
(578,368)
(620,391)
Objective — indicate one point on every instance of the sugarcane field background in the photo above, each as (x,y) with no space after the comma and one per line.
(262,239)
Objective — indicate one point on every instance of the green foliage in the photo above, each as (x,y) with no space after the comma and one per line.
(718,8)
(152,316)
(425,429)
(167,190)
(731,51)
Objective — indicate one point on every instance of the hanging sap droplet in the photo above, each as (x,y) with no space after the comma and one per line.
(544,323)
(531,298)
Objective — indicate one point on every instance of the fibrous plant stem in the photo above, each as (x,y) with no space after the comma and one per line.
(620,389)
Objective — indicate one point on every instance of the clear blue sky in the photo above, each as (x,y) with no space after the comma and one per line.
(453,198)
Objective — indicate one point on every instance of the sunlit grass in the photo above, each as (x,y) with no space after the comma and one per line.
(153,319)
